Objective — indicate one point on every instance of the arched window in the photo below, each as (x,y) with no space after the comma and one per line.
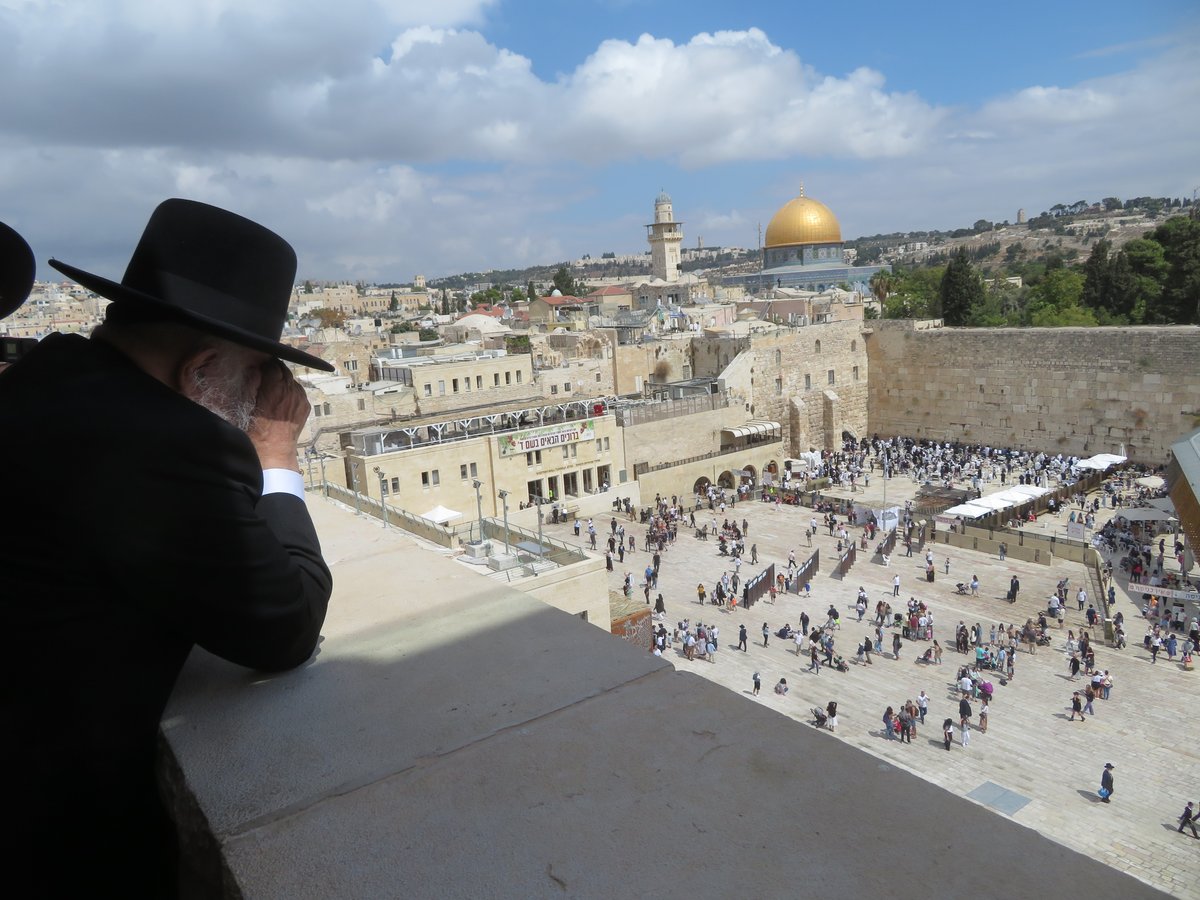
(778,357)
(818,348)
(853,346)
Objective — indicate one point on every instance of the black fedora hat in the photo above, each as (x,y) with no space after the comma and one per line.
(213,270)
(17,267)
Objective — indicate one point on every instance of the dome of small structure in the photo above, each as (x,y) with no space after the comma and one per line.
(663,197)
(803,220)
(556,293)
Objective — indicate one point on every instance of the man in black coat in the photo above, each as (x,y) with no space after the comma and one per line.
(154,503)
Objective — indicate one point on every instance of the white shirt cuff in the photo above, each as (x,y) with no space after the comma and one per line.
(283,481)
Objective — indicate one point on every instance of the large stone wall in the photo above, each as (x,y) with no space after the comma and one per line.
(785,377)
(1069,390)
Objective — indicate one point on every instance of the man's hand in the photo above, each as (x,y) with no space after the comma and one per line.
(279,416)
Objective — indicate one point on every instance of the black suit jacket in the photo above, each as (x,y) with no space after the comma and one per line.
(134,527)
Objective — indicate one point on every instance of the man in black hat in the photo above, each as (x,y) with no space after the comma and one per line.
(161,507)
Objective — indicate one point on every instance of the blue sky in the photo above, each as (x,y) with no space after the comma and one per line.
(390,137)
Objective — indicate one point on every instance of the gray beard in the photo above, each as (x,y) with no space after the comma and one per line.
(224,394)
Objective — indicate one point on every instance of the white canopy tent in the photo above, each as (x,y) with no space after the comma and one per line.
(441,515)
(1100,461)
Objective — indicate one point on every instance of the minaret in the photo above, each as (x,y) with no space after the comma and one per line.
(665,237)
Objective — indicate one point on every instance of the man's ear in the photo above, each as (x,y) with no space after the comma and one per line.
(191,365)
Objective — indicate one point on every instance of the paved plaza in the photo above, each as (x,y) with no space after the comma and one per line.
(1033,764)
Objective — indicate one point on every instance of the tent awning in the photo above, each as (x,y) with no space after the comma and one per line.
(441,515)
(753,428)
(1149,514)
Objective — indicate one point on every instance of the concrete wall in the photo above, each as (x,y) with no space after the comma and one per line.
(1069,390)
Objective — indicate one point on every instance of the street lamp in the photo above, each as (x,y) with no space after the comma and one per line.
(477,484)
(354,478)
(309,453)
(382,494)
(504,500)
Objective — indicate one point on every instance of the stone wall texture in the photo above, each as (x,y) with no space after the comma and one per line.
(1070,390)
(812,380)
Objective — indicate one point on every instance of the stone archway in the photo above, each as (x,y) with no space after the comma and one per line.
(700,488)
(750,478)
(726,480)
(771,468)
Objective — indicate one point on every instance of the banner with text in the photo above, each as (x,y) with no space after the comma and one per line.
(531,439)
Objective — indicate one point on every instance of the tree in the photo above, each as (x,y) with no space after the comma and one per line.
(1095,294)
(1180,239)
(960,290)
(881,285)
(428,334)
(308,287)
(982,225)
(517,296)
(445,302)
(566,284)
(330,318)
(531,292)
(1054,302)
(393,303)
(1111,204)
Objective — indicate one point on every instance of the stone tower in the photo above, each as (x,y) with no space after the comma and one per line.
(665,236)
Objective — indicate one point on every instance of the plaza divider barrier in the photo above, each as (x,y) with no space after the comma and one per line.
(756,587)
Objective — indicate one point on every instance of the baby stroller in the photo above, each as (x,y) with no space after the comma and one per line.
(926,657)
(819,717)
(961,588)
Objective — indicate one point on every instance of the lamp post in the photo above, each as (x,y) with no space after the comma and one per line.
(324,483)
(477,484)
(539,501)
(308,456)
(504,500)
(354,478)
(382,494)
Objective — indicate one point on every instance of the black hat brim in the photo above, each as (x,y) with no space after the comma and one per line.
(118,292)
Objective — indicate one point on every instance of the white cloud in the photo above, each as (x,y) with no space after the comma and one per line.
(386,137)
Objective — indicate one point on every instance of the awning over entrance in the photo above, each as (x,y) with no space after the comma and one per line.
(753,429)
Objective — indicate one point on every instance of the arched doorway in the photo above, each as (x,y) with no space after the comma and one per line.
(726,480)
(751,475)
(700,488)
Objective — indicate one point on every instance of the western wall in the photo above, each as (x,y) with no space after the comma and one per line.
(1071,390)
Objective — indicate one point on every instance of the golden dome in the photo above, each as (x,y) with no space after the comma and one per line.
(803,220)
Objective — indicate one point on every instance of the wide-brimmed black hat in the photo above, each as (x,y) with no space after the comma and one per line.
(17,267)
(213,270)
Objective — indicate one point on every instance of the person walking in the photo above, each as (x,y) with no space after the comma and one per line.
(896,645)
(742,638)
(983,715)
(1106,782)
(1077,707)
(896,586)
(1088,696)
(922,705)
(757,683)
(766,633)
(1187,819)
(814,661)
(947,732)
(947,565)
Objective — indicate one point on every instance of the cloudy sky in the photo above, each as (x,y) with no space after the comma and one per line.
(389,137)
